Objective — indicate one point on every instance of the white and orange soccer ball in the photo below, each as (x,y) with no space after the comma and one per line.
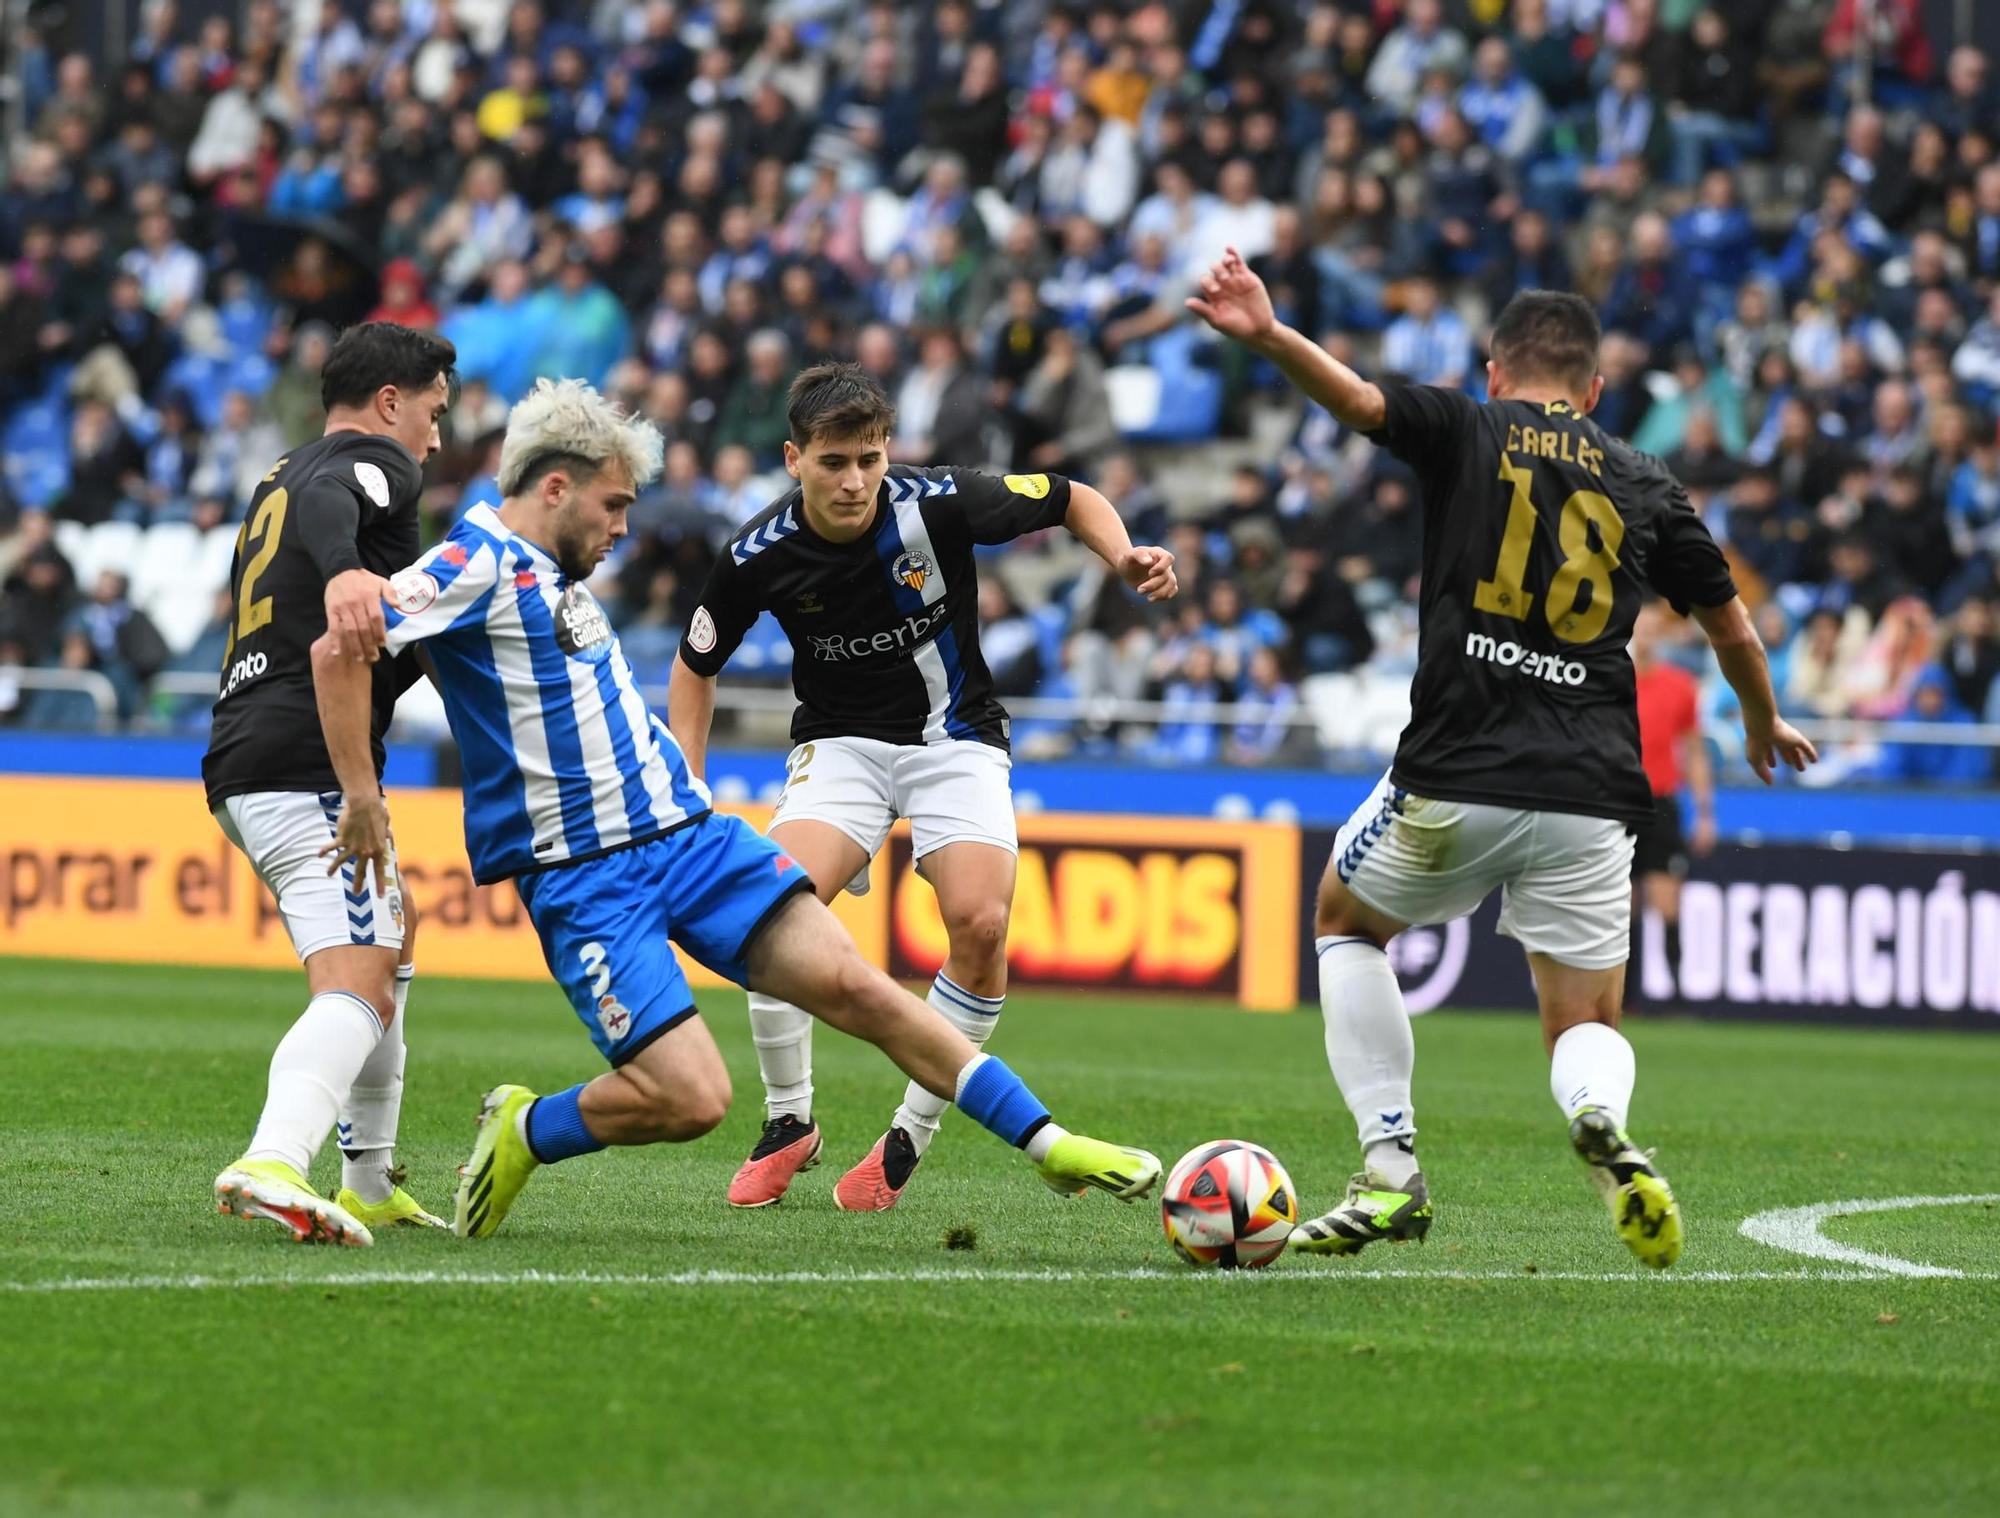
(1229,1204)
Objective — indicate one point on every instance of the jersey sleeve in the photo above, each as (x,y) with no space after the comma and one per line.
(370,479)
(436,593)
(329,515)
(729,605)
(998,508)
(1424,425)
(1686,566)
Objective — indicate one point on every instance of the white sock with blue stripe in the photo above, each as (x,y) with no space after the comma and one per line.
(974,1016)
(1371,1050)
(312,1071)
(366,1130)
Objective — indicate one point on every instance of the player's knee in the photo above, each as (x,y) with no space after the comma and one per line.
(686,1110)
(979,935)
(863,997)
(701,1109)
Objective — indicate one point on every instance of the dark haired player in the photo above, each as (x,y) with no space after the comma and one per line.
(325,528)
(1520,764)
(869,569)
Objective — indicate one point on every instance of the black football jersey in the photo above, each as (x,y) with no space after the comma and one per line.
(344,501)
(885,629)
(1543,535)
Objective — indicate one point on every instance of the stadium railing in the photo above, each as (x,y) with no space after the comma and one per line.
(86,683)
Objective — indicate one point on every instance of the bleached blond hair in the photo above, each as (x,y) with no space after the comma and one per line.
(568,420)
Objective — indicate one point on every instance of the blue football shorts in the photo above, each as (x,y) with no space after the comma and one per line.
(710,886)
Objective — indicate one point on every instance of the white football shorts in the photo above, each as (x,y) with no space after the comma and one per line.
(955,792)
(281,833)
(1565,880)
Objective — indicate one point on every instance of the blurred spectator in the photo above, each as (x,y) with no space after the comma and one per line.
(1266,705)
(753,417)
(1063,413)
(106,633)
(687,203)
(106,467)
(940,407)
(1008,639)
(1428,343)
(1971,654)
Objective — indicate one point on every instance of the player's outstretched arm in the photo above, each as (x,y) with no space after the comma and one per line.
(1095,523)
(1234,302)
(1768,739)
(690,714)
(343,687)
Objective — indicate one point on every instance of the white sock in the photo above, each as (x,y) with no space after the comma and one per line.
(1592,1066)
(366,1129)
(1371,1050)
(783,1035)
(312,1071)
(974,1016)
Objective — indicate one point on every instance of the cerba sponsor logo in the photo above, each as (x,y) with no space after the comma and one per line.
(908,633)
(1508,654)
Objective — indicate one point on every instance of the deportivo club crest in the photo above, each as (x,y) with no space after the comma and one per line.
(911,569)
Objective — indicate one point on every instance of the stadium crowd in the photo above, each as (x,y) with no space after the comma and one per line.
(1793,239)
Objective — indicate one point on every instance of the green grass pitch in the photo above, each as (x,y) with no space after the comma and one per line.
(582,1363)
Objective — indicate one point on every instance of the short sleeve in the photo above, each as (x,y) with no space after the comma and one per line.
(728,608)
(432,596)
(382,473)
(998,508)
(1424,425)
(1686,566)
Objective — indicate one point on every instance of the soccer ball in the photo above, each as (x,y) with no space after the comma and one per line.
(1230,1204)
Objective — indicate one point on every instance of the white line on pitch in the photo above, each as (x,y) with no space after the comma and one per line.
(701,1278)
(1796,1231)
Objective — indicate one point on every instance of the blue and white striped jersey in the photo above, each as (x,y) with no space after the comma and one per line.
(562,760)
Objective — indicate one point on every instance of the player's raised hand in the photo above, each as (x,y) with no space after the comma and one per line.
(361,838)
(1233,300)
(354,614)
(1150,571)
(1783,744)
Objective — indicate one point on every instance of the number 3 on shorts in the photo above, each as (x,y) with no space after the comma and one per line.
(596,967)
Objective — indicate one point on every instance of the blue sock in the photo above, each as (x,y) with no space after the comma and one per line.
(555,1128)
(995,1097)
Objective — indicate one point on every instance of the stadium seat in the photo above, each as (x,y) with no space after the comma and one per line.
(113,545)
(882,216)
(72,542)
(1134,392)
(211,567)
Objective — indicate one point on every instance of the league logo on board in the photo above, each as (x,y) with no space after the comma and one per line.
(911,569)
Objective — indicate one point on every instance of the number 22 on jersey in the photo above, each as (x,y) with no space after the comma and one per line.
(264,526)
(1571,615)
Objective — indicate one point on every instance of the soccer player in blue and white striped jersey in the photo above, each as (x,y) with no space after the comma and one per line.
(579,795)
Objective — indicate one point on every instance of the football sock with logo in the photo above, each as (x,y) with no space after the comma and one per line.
(312,1070)
(1000,1102)
(974,1016)
(1592,1065)
(366,1131)
(1371,1050)
(783,1036)
(554,1127)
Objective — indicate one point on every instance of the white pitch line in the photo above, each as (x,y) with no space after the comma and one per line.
(708,1278)
(1796,1231)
